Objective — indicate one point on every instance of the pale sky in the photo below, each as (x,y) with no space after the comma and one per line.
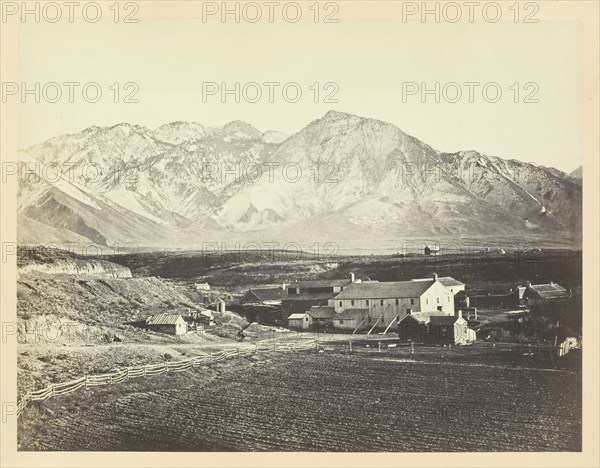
(169,59)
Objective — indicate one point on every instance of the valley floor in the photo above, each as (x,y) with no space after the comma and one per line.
(332,400)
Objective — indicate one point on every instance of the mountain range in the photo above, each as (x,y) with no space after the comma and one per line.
(343,179)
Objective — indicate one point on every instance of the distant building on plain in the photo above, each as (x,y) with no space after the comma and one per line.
(431,250)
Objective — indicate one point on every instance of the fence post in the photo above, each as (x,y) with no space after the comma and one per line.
(128,373)
(86,382)
(53,390)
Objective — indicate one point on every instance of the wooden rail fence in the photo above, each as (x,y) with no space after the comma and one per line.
(126,373)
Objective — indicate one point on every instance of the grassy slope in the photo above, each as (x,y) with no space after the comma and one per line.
(73,324)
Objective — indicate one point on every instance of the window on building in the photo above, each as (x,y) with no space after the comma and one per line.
(412,302)
(306,319)
(397,301)
(438,300)
(448,298)
(426,301)
(381,302)
(341,322)
(367,301)
(352,302)
(340,303)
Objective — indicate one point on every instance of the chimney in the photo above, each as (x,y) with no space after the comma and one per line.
(460,313)
(221,306)
(352,277)
(284,286)
(435,277)
(409,312)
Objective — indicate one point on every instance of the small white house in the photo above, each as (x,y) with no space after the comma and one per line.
(300,321)
(202,286)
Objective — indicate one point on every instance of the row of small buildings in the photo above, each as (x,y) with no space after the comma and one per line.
(425,307)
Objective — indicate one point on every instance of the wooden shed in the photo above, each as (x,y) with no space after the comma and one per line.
(448,330)
(173,324)
(300,321)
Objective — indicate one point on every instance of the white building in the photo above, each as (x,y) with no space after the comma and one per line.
(452,284)
(387,302)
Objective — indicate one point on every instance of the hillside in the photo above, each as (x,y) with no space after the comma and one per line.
(342,178)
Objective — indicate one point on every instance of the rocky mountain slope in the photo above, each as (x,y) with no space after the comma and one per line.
(577,173)
(340,178)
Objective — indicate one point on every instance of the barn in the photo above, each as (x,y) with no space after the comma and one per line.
(322,317)
(541,292)
(173,324)
(432,328)
(351,319)
(266,296)
(413,327)
(302,295)
(448,330)
(388,301)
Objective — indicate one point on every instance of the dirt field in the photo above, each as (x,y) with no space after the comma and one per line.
(328,401)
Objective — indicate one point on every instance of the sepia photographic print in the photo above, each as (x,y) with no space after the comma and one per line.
(346,229)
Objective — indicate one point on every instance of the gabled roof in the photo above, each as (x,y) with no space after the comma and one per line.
(317,312)
(268,294)
(447,281)
(349,314)
(549,290)
(297,316)
(443,320)
(423,317)
(310,296)
(384,290)
(320,283)
(163,319)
